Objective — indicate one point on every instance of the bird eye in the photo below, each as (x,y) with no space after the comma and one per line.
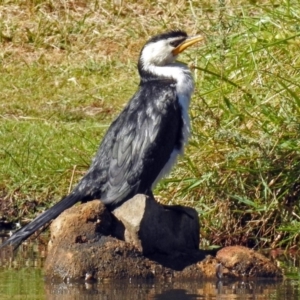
(175,43)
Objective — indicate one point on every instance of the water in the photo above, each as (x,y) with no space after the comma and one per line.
(22,278)
(28,283)
(174,291)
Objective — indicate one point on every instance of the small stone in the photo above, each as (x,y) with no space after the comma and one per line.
(239,261)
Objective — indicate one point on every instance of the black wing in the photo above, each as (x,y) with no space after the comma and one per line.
(137,145)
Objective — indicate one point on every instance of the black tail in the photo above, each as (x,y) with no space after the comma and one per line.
(22,234)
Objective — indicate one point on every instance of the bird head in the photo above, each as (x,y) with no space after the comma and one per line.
(162,49)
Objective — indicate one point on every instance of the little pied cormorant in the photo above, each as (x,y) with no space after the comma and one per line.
(142,144)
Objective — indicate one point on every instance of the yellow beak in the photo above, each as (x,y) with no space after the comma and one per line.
(187,43)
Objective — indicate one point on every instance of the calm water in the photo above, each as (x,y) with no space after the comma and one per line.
(22,278)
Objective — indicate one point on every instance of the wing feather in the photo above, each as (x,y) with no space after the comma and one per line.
(139,143)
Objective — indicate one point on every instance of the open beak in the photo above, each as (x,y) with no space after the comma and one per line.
(187,43)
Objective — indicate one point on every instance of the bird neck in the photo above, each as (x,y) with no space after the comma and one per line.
(177,72)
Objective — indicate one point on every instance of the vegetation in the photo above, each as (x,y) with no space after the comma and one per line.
(68,67)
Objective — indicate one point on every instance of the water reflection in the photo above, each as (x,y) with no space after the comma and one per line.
(169,291)
(22,277)
(29,254)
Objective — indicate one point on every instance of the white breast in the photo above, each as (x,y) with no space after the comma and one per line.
(184,88)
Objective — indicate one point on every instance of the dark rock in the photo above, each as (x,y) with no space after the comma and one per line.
(154,228)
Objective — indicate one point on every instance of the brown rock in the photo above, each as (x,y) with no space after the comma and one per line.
(80,224)
(83,241)
(83,244)
(239,261)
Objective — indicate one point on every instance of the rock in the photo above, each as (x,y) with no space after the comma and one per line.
(88,241)
(239,261)
(154,228)
(80,224)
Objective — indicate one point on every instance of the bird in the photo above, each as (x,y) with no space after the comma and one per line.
(142,144)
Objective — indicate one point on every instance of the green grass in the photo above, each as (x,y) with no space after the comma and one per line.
(68,67)
(242,167)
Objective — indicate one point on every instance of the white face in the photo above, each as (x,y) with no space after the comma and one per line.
(159,53)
